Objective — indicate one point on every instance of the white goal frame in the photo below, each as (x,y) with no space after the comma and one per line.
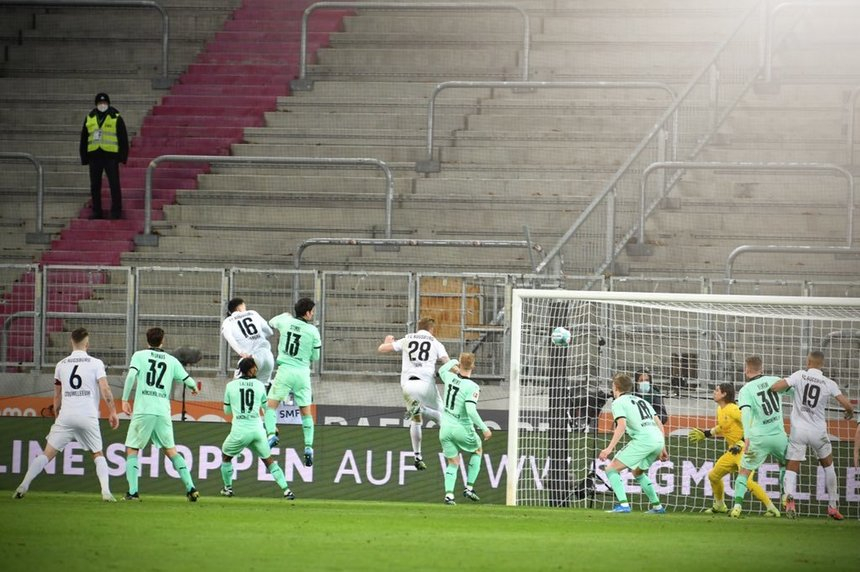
(852,305)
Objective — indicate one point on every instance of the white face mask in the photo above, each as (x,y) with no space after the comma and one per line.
(102,107)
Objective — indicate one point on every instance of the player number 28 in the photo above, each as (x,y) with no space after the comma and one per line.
(422,350)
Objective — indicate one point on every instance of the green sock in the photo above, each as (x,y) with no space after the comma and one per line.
(474,469)
(740,488)
(278,473)
(617,485)
(648,488)
(181,468)
(131,473)
(450,478)
(227,474)
(269,418)
(308,430)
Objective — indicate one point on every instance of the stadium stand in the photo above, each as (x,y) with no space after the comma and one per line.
(509,160)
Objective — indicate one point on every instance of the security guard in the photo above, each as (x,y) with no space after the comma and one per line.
(104,145)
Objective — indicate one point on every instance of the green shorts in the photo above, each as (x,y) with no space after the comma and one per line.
(761,447)
(455,438)
(145,427)
(295,380)
(241,438)
(640,454)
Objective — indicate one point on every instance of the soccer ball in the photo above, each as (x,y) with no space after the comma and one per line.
(561,337)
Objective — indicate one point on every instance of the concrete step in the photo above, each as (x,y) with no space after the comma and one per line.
(236,184)
(400,153)
(451,58)
(284,123)
(836,154)
(455,22)
(106,54)
(542,122)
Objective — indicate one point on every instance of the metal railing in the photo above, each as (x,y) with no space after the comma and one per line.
(621,181)
(396,243)
(429,165)
(118,303)
(305,84)
(149,239)
(781,249)
(768,31)
(162,82)
(852,118)
(38,237)
(692,165)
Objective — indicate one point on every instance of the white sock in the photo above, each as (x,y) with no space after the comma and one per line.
(415,434)
(102,474)
(36,466)
(789,483)
(433,414)
(831,484)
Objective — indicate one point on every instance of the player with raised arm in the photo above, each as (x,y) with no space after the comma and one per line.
(420,350)
(764,432)
(457,426)
(298,346)
(154,371)
(79,381)
(812,390)
(729,427)
(244,398)
(635,417)
(248,334)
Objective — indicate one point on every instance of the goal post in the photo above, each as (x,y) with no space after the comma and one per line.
(686,344)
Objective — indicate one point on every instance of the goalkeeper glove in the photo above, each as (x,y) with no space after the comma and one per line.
(736,448)
(697,435)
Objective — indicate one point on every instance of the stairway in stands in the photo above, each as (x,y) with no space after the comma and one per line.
(235,79)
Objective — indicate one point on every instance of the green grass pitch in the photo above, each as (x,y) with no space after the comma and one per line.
(55,531)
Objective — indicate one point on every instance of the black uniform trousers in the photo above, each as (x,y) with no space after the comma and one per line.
(109,166)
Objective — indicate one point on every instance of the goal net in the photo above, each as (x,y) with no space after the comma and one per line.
(560,396)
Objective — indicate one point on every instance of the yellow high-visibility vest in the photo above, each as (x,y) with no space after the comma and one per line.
(103,137)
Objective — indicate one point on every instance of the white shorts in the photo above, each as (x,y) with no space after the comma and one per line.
(422,391)
(84,430)
(799,438)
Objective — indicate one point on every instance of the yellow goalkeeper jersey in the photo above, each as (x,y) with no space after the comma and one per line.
(729,422)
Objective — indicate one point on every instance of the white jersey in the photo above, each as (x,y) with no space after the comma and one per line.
(78,375)
(420,352)
(812,391)
(247,332)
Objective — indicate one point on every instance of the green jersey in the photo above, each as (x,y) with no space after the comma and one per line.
(761,409)
(638,415)
(243,398)
(461,399)
(154,371)
(300,341)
